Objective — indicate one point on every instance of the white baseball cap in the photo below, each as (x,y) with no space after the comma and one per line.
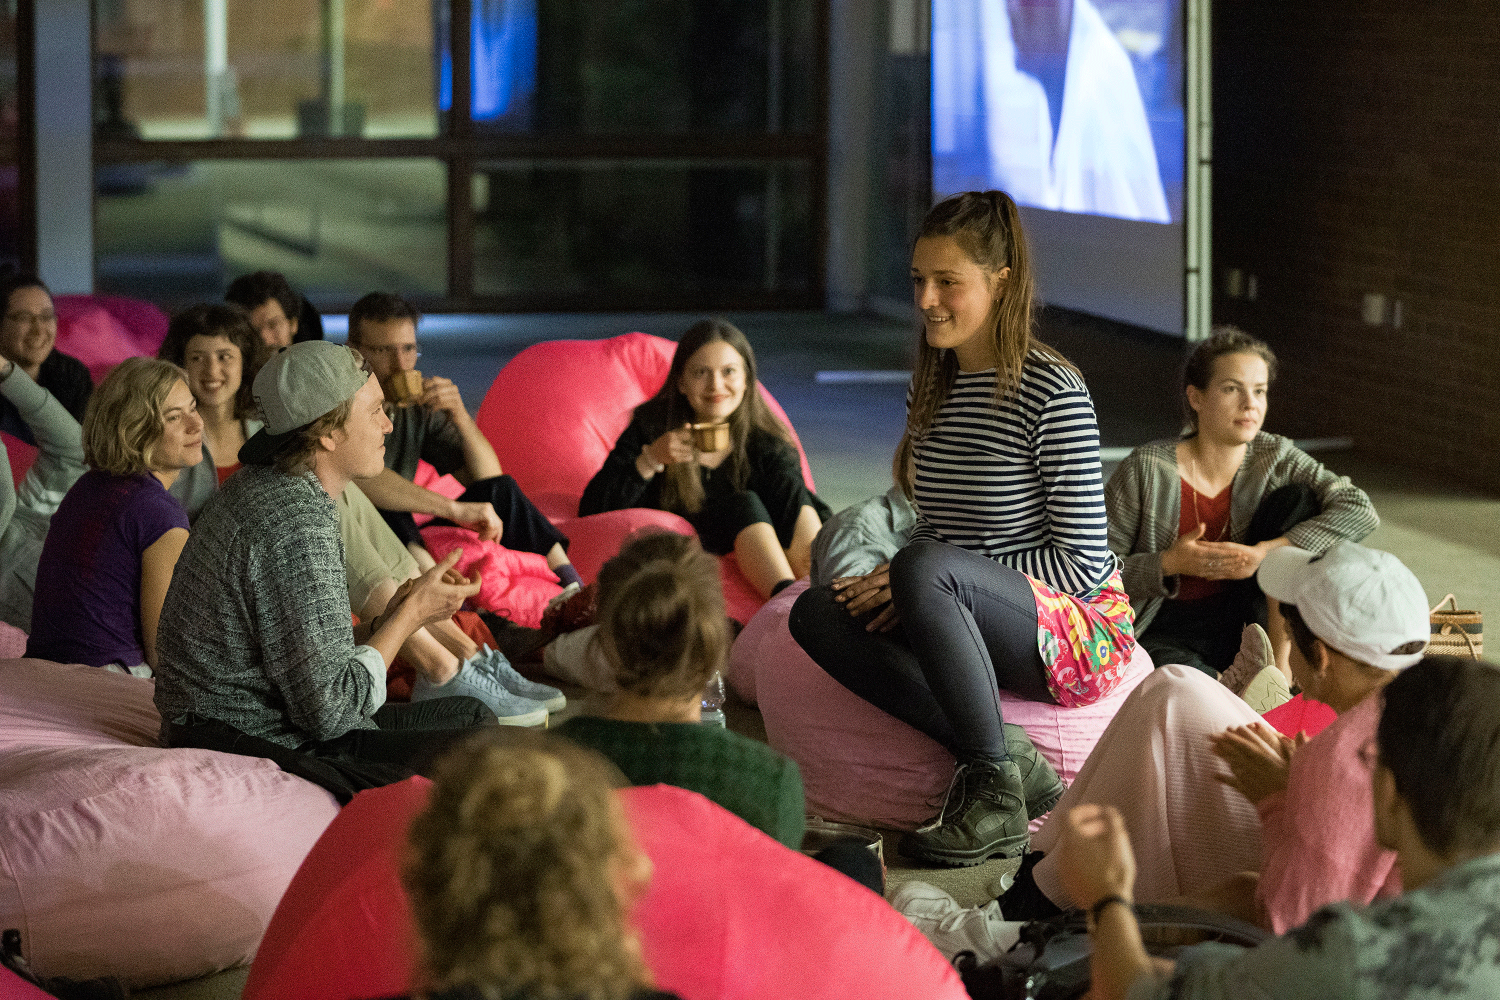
(1363,602)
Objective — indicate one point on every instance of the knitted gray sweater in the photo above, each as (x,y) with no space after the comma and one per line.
(255,630)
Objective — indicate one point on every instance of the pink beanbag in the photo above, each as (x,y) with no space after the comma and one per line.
(553,415)
(119,858)
(860,764)
(783,925)
(102,331)
(20,455)
(1301,715)
(13,987)
(12,642)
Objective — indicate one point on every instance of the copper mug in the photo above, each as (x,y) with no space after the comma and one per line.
(404,388)
(710,437)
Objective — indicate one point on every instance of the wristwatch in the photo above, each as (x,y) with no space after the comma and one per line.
(1104,904)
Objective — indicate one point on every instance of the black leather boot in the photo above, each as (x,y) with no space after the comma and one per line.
(988,818)
(1039,781)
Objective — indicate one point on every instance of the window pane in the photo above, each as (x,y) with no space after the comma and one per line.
(643,66)
(336,228)
(565,230)
(265,69)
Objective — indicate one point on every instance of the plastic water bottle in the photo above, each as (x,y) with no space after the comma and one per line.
(713,701)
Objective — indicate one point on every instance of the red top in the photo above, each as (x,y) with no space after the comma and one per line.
(225,471)
(1214,512)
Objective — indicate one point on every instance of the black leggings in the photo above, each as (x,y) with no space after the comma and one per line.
(1206,633)
(525,529)
(968,628)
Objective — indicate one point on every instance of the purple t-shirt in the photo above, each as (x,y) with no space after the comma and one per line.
(87,604)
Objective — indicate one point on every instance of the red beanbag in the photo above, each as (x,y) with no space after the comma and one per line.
(1301,716)
(20,455)
(730,915)
(102,331)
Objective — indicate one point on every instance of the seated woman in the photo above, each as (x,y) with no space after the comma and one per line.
(748,497)
(25,513)
(1007,581)
(115,538)
(663,632)
(1193,518)
(220,351)
(521,873)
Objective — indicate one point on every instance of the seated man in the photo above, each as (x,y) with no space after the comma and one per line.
(1436,804)
(277,312)
(26,513)
(257,653)
(435,427)
(28,335)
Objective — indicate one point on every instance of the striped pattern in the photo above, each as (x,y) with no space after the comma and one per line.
(1020,483)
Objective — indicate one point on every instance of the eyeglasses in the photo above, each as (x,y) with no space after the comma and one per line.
(24,319)
(394,350)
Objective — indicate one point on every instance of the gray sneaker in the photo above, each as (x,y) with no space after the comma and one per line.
(494,663)
(510,708)
(953,929)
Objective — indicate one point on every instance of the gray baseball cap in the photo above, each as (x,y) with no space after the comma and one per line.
(296,387)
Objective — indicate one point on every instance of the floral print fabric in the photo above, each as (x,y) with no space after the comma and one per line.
(1086,641)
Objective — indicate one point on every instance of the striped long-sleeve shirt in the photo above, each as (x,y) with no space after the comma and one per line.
(1021,482)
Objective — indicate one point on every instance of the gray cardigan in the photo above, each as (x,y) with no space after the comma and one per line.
(1144,498)
(24,517)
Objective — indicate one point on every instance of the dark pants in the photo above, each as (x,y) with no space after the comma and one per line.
(968,629)
(1206,633)
(408,739)
(526,529)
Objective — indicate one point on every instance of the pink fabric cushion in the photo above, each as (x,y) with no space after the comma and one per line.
(20,455)
(102,332)
(1301,716)
(447,486)
(585,411)
(517,585)
(12,642)
(860,764)
(784,925)
(104,834)
(13,987)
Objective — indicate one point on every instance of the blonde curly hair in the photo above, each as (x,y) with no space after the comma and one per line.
(510,871)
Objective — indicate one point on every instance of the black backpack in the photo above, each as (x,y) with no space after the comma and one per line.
(1051,960)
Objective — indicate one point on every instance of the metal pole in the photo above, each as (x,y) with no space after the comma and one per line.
(1198,228)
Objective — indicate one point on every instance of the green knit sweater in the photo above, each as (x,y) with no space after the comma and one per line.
(749,779)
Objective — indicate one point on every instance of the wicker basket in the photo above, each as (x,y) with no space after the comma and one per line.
(1456,632)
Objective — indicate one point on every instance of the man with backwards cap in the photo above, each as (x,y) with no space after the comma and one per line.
(257,651)
(1357,617)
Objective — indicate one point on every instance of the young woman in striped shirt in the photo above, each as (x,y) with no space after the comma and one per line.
(1008,580)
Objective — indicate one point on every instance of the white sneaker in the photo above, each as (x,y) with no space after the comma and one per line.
(559,600)
(953,929)
(1254,656)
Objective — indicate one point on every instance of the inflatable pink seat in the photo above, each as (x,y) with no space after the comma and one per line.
(119,858)
(858,763)
(103,330)
(553,415)
(22,457)
(777,925)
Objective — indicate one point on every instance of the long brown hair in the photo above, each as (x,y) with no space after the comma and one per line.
(986,225)
(682,489)
(1198,366)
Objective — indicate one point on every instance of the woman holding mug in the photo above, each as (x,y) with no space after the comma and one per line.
(742,491)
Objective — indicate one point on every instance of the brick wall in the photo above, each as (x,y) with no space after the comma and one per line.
(1357,150)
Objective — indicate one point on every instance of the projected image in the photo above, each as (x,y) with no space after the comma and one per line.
(1070,105)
